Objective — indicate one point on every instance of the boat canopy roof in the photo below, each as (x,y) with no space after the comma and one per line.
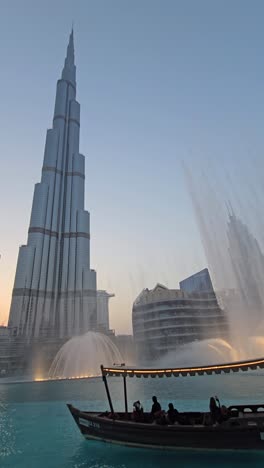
(121,370)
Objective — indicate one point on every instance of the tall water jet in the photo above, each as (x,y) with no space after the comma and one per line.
(230,221)
(82,356)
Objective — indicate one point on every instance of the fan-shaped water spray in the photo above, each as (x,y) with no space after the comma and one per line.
(213,351)
(82,356)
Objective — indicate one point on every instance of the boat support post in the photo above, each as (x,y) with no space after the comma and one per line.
(107,391)
(125,393)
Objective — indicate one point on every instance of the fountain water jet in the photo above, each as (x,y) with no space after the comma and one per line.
(213,351)
(82,356)
(230,219)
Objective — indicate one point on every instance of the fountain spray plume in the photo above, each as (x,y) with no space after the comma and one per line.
(82,356)
(234,257)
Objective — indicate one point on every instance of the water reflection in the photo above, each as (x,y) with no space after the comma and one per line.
(7,432)
(100,455)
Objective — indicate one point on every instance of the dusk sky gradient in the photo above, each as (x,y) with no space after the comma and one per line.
(160,83)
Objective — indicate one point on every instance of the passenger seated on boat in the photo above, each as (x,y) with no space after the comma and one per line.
(161,418)
(215,409)
(156,408)
(138,412)
(172,414)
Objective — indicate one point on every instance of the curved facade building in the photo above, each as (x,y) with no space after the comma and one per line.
(163,319)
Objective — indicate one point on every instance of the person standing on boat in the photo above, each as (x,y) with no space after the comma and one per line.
(156,408)
(215,409)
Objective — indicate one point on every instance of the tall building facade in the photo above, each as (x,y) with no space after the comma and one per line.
(247,261)
(103,310)
(54,291)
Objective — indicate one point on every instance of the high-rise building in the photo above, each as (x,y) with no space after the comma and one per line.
(103,310)
(247,261)
(55,290)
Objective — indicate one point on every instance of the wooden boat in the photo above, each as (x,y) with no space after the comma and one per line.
(242,430)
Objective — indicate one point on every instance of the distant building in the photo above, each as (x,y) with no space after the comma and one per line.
(247,261)
(164,319)
(199,282)
(12,353)
(103,310)
(4,350)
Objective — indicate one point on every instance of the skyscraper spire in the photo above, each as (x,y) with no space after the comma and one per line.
(69,70)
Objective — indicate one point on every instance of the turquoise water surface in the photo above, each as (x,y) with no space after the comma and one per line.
(37,430)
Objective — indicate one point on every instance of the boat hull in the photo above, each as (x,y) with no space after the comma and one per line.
(244,434)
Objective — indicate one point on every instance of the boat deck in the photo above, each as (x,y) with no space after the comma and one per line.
(188,419)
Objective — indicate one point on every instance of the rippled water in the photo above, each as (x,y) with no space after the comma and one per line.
(36,429)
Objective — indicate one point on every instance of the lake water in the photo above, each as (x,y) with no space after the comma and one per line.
(37,430)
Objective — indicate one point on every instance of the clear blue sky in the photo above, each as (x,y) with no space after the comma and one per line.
(159,82)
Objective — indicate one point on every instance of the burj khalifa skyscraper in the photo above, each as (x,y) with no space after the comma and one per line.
(54,292)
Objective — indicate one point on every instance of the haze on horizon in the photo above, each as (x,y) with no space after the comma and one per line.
(159,84)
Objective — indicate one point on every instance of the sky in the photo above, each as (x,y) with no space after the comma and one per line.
(161,84)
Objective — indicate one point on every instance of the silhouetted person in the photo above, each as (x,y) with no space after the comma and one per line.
(156,408)
(172,414)
(138,412)
(215,409)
